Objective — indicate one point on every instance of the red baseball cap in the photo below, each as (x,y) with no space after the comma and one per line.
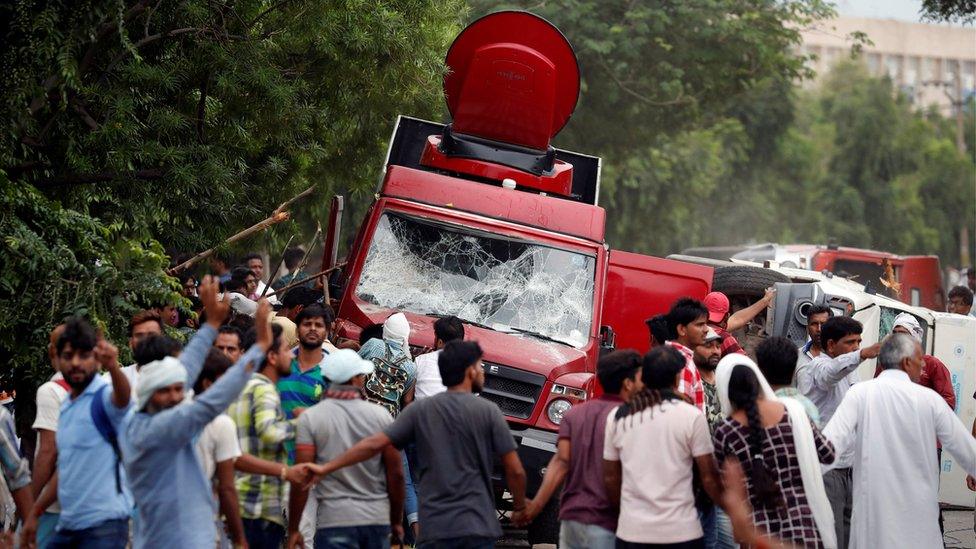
(717,305)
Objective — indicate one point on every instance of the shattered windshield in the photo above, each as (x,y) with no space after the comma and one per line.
(503,283)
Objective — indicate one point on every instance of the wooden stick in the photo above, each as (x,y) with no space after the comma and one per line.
(277,216)
(308,248)
(291,285)
(297,197)
(277,268)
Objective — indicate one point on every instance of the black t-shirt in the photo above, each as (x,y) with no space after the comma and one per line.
(457,436)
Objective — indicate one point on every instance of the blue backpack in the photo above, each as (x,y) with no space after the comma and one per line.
(107,430)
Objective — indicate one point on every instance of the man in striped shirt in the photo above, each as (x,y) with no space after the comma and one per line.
(304,386)
(688,326)
(262,430)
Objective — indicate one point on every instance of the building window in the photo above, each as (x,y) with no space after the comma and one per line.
(874,62)
(968,77)
(893,67)
(911,70)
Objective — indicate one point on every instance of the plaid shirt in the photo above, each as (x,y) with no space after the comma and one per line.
(794,522)
(262,431)
(691,381)
(16,471)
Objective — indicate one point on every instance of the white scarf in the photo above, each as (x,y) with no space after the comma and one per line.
(397,328)
(806,449)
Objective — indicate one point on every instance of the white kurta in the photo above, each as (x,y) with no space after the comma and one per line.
(890,426)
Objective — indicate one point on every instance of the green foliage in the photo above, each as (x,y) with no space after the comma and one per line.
(138,126)
(960,11)
(59,262)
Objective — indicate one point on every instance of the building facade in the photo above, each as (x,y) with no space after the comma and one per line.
(932,64)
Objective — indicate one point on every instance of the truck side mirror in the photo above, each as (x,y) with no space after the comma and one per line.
(608,340)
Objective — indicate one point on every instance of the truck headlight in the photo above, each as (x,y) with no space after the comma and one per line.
(557,409)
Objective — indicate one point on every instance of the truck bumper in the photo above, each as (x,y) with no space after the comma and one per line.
(535,449)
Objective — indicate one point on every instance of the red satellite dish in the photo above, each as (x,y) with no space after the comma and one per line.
(513,78)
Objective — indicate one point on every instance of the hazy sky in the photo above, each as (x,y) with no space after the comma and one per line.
(904,10)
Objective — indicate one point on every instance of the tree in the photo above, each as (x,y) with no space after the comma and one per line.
(960,11)
(138,126)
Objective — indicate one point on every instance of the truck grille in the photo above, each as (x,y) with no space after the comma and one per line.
(514,391)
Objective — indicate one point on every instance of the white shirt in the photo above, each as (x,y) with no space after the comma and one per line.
(217,443)
(49,398)
(826,380)
(656,450)
(272,299)
(131,373)
(428,375)
(887,426)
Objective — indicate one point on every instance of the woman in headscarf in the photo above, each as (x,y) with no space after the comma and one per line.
(780,451)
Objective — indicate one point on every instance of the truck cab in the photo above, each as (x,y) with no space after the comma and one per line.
(481,218)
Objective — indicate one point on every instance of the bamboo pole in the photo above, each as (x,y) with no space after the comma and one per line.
(291,285)
(277,268)
(280,214)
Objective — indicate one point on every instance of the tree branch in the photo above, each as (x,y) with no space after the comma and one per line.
(680,99)
(266,12)
(202,107)
(79,108)
(87,59)
(100,177)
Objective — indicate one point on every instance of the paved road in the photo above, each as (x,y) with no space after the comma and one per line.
(958,533)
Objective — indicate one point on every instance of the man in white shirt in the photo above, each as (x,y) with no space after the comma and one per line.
(825,380)
(49,398)
(429,381)
(652,445)
(884,428)
(218,449)
(817,315)
(255,263)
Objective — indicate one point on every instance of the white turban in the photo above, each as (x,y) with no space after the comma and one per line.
(397,328)
(156,375)
(910,323)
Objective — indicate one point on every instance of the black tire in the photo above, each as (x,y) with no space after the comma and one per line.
(545,527)
(745,280)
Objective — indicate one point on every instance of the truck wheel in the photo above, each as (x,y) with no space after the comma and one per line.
(545,527)
(745,280)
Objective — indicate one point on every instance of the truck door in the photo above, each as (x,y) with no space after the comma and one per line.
(921,282)
(639,287)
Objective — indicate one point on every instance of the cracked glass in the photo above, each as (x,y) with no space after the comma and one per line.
(504,283)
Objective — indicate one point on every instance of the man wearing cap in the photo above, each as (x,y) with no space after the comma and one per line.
(935,375)
(361,505)
(706,357)
(157,441)
(723,323)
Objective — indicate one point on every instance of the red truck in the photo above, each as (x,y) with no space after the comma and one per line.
(483,219)
(918,278)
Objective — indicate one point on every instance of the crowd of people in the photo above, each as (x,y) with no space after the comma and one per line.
(267,430)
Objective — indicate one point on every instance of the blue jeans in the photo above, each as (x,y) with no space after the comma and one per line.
(410,505)
(263,534)
(576,535)
(353,537)
(718,529)
(466,542)
(723,529)
(111,534)
(45,528)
